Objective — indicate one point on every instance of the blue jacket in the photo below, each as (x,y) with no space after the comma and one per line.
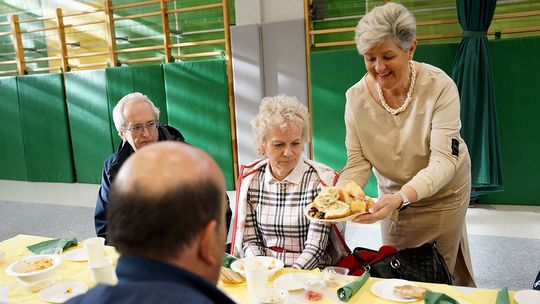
(142,281)
(110,169)
(112,166)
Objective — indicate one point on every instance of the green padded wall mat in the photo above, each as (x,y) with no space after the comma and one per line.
(88,109)
(517,89)
(147,80)
(197,101)
(12,160)
(45,128)
(332,73)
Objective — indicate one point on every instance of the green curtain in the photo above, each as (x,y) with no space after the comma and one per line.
(473,74)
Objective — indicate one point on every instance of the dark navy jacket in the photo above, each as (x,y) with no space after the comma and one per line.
(112,166)
(110,169)
(143,281)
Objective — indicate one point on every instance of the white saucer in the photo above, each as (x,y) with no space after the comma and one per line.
(294,280)
(63,291)
(77,255)
(527,296)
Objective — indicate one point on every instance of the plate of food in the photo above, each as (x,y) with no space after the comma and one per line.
(272,264)
(398,290)
(63,291)
(338,204)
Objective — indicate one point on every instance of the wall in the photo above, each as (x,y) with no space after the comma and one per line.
(65,137)
(268,55)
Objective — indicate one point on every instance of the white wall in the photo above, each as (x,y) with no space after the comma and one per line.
(264,11)
(268,56)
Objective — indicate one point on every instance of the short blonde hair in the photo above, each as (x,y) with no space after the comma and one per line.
(118,110)
(278,111)
(391,20)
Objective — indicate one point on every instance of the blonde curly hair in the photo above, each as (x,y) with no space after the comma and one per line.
(278,111)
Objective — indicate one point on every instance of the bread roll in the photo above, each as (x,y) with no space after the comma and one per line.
(337,210)
(410,292)
(358,206)
(354,190)
(229,276)
(326,198)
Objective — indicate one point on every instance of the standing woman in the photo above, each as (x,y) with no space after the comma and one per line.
(403,121)
(273,192)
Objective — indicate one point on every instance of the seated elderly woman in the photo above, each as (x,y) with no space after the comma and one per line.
(273,192)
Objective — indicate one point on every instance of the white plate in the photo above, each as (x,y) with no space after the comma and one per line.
(77,255)
(343,219)
(385,289)
(527,296)
(273,265)
(61,292)
(294,280)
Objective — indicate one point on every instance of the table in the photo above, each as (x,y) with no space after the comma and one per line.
(15,248)
(464,295)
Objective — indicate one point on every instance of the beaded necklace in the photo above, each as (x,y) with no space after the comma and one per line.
(409,93)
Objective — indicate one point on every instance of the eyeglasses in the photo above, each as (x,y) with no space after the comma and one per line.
(138,128)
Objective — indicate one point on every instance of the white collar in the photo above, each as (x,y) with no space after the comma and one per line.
(295,177)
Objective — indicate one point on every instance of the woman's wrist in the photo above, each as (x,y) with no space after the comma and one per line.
(405,201)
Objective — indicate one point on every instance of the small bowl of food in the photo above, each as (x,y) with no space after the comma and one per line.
(315,289)
(335,276)
(270,296)
(271,264)
(34,268)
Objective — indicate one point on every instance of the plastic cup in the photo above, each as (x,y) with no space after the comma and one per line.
(95,248)
(102,271)
(335,276)
(256,276)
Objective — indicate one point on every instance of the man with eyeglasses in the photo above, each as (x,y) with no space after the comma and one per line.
(136,119)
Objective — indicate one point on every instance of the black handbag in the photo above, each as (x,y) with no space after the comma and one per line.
(421,264)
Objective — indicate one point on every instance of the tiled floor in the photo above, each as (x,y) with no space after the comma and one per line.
(504,239)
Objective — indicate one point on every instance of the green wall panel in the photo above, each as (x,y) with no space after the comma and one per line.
(197,101)
(89,118)
(332,73)
(12,160)
(45,128)
(147,80)
(517,89)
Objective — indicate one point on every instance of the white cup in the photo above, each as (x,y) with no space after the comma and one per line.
(102,271)
(95,248)
(256,276)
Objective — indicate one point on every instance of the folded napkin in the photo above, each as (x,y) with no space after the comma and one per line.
(52,246)
(502,297)
(228,260)
(438,298)
(346,292)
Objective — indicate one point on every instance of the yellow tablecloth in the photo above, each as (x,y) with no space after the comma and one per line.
(239,293)
(15,248)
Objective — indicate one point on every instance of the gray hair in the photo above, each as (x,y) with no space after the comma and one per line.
(278,111)
(391,20)
(118,110)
